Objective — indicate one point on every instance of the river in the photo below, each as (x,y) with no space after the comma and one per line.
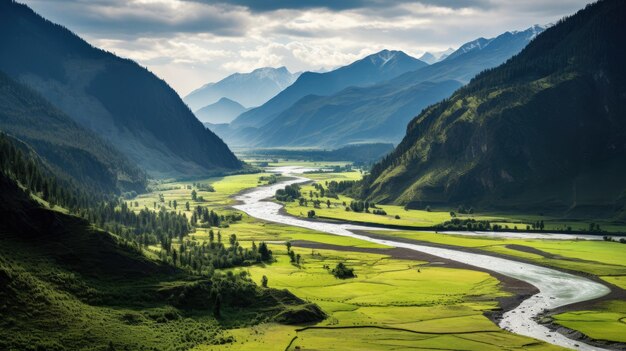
(556,288)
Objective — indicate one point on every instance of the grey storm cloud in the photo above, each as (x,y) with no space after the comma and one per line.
(123,18)
(338,5)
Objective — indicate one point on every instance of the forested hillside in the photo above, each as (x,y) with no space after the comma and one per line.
(546,130)
(67,284)
(73,151)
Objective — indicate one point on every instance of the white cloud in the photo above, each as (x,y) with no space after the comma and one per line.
(189,43)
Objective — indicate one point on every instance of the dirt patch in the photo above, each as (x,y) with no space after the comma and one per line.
(532,250)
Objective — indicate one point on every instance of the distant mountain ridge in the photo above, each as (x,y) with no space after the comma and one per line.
(138,113)
(434,57)
(223,111)
(380,112)
(248,89)
(545,131)
(370,70)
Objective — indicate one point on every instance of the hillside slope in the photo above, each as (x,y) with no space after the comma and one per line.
(67,285)
(116,98)
(69,149)
(381,112)
(544,131)
(249,89)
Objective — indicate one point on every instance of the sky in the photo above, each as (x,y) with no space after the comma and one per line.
(192,42)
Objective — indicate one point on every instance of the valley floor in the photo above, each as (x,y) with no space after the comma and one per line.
(399,301)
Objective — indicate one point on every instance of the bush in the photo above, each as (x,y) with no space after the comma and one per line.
(342,271)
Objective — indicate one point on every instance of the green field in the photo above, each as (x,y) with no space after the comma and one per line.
(423,218)
(390,304)
(606,322)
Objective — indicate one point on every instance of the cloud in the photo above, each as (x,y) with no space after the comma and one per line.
(192,42)
(144,17)
(338,5)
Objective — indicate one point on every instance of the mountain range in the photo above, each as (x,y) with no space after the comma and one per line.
(545,131)
(125,104)
(248,89)
(223,111)
(374,113)
(367,71)
(434,57)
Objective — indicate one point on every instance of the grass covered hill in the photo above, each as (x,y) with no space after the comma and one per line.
(69,149)
(65,284)
(546,130)
(124,103)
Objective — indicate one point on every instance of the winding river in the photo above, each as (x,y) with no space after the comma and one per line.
(556,288)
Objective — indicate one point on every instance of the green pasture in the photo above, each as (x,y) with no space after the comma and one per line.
(391,304)
(607,321)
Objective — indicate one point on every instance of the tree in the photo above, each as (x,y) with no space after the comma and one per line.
(211,236)
(264,282)
(187,205)
(452,214)
(232,240)
(175,203)
(328,203)
(292,257)
(311,214)
(342,271)
(266,254)
(218,306)
(174,256)
(298,259)
(288,244)
(219,236)
(194,195)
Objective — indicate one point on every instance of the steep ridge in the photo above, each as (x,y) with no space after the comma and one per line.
(71,150)
(116,98)
(381,112)
(249,89)
(546,130)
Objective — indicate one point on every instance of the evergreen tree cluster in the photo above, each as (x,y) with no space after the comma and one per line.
(20,163)
(203,258)
(205,218)
(289,193)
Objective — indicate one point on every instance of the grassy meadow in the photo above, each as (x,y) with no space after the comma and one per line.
(391,304)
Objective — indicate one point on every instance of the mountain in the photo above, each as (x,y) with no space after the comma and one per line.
(250,89)
(128,106)
(544,131)
(349,117)
(434,57)
(69,149)
(223,111)
(380,113)
(372,69)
